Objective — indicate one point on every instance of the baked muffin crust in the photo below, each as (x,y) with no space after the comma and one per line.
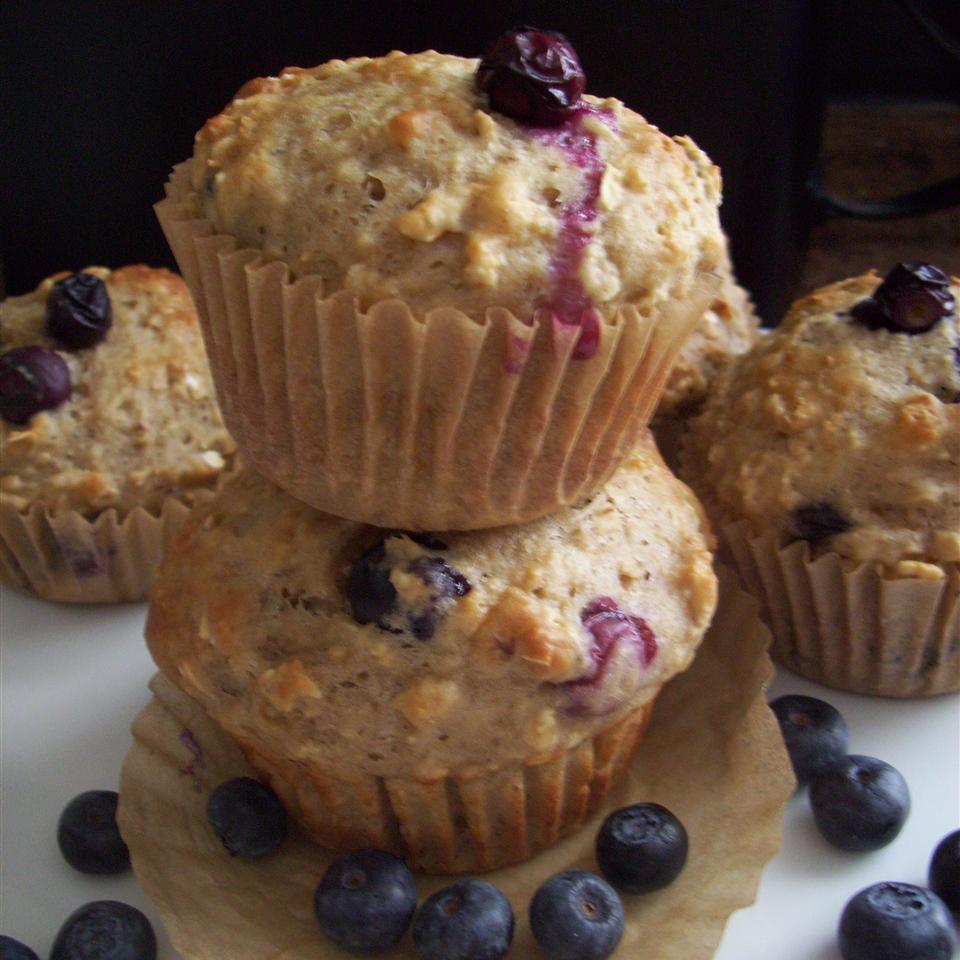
(857,429)
(142,422)
(251,617)
(392,177)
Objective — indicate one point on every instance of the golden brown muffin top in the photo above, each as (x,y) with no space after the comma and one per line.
(843,435)
(393,177)
(329,641)
(142,421)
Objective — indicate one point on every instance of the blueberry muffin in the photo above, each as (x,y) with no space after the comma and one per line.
(830,455)
(463,699)
(109,430)
(728,328)
(437,292)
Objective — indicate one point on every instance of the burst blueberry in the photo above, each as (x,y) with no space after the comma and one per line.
(896,921)
(88,835)
(814,732)
(105,930)
(369,591)
(32,379)
(818,522)
(944,873)
(532,75)
(577,916)
(470,920)
(913,298)
(247,817)
(11,949)
(365,901)
(860,803)
(641,848)
(79,314)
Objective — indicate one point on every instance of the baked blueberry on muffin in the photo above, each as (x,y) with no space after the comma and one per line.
(109,430)
(464,699)
(830,453)
(442,293)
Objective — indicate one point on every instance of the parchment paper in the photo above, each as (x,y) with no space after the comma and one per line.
(713,755)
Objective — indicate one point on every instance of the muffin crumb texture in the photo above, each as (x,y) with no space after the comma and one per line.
(842,435)
(142,423)
(394,178)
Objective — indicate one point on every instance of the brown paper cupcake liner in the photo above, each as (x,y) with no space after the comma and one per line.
(437,423)
(70,558)
(854,628)
(456,824)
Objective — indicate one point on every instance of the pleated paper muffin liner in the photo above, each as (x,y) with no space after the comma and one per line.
(712,754)
(456,824)
(69,558)
(852,626)
(443,422)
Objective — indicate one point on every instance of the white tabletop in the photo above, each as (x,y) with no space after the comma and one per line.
(72,679)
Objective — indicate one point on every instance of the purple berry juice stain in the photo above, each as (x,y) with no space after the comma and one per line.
(567,300)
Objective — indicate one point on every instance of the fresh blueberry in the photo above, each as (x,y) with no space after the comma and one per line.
(88,835)
(896,921)
(944,875)
(365,901)
(576,916)
(859,803)
(814,732)
(470,920)
(11,949)
(641,848)
(247,817)
(105,930)
(32,379)
(818,522)
(78,311)
(532,75)
(913,298)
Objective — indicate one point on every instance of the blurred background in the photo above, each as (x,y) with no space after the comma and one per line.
(812,108)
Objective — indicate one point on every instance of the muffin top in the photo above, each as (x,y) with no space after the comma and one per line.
(394,177)
(325,640)
(728,328)
(842,430)
(140,421)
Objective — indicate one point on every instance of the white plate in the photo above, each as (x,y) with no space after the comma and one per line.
(72,679)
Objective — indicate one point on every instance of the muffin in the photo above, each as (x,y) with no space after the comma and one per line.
(728,328)
(426,313)
(110,431)
(462,700)
(830,456)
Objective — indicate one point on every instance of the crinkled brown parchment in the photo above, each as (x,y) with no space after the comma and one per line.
(713,755)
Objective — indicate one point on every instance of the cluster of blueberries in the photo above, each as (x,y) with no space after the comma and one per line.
(33,378)
(861,803)
(367,900)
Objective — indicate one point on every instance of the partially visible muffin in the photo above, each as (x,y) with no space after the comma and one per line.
(463,699)
(424,312)
(841,431)
(728,328)
(110,430)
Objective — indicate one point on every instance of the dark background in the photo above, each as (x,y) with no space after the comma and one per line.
(99,100)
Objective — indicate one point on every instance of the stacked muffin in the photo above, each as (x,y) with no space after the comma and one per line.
(445,296)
